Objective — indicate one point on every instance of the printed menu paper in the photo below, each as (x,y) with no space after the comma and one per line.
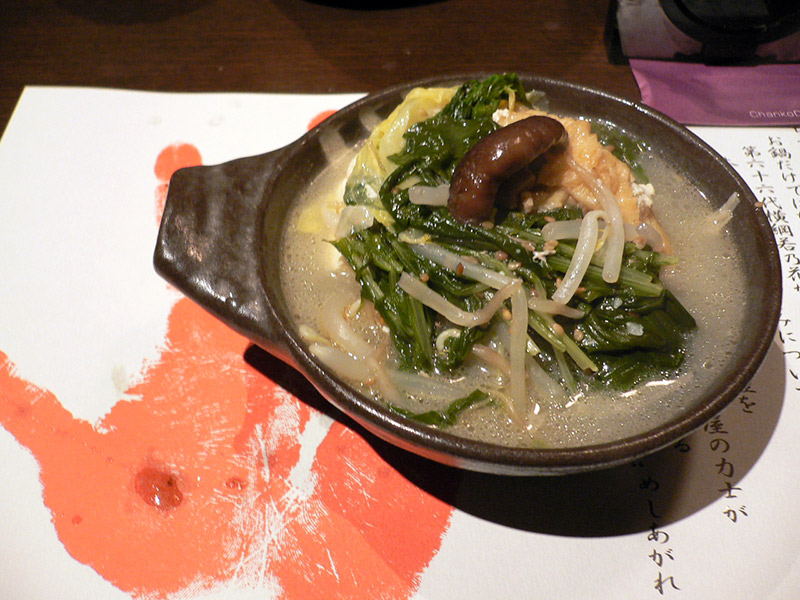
(147,451)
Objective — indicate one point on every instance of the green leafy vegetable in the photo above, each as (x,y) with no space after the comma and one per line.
(630,329)
(448,416)
(434,146)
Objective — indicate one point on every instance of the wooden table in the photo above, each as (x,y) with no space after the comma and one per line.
(296,45)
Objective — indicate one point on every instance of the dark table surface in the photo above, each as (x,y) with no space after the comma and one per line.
(297,45)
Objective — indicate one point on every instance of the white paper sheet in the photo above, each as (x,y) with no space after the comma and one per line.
(85,317)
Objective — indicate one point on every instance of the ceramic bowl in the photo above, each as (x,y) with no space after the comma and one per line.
(220,244)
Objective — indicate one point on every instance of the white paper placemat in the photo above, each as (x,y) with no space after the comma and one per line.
(110,379)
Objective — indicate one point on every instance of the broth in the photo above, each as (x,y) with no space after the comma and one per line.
(708,280)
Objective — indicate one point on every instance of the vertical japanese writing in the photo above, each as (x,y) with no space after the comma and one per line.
(769,168)
(721,446)
(786,332)
(660,552)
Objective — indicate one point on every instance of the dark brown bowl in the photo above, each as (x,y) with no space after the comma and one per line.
(220,242)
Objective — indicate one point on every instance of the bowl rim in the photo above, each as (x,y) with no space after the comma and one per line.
(284,340)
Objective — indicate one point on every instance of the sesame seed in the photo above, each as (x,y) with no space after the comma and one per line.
(550,245)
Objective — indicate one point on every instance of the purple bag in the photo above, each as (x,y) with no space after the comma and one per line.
(696,94)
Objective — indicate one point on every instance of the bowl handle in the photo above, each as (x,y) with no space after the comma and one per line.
(207,244)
